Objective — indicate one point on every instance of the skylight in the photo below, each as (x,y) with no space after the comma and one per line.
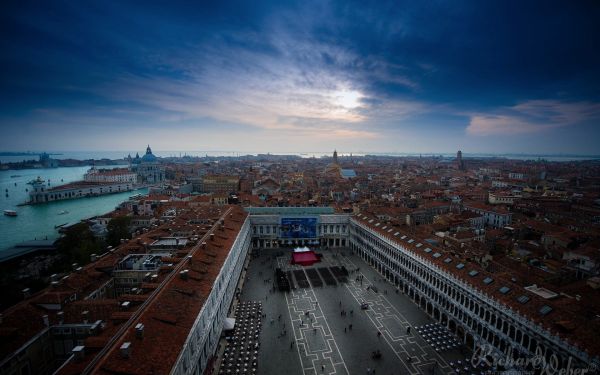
(488,280)
(504,290)
(460,266)
(545,310)
(437,255)
(448,260)
(523,299)
(473,273)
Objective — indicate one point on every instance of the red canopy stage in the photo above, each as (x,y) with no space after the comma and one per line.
(305,258)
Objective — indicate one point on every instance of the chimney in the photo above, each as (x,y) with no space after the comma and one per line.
(61,317)
(93,257)
(78,353)
(125,349)
(26,293)
(125,305)
(139,331)
(54,277)
(74,265)
(46,320)
(84,315)
(55,284)
(212,236)
(95,328)
(204,244)
(184,274)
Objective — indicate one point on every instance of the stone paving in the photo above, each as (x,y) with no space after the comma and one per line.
(306,331)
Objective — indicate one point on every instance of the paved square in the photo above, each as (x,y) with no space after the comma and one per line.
(322,329)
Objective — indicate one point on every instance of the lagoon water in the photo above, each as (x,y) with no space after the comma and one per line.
(39,221)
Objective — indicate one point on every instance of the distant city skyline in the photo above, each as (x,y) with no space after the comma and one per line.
(392,77)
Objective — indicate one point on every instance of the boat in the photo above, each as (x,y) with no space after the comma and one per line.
(10,213)
(60,225)
(15,176)
(63,212)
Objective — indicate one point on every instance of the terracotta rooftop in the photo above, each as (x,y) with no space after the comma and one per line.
(168,314)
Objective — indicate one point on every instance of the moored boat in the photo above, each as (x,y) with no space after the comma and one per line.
(10,213)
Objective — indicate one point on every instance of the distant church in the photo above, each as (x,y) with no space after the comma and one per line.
(147,167)
(334,169)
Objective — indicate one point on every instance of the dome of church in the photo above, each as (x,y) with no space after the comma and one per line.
(149,157)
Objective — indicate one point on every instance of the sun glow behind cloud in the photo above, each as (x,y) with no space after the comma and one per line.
(348,99)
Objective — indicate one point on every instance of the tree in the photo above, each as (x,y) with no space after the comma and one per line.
(118,228)
(78,244)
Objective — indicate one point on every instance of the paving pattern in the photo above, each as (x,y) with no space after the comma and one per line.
(317,348)
(314,330)
(393,327)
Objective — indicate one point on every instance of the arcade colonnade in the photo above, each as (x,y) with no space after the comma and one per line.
(471,315)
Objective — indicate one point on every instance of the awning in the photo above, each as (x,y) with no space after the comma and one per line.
(301,249)
(229,324)
(304,258)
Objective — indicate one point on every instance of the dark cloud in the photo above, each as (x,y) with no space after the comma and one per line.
(439,64)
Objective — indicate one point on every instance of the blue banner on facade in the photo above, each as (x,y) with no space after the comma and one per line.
(305,227)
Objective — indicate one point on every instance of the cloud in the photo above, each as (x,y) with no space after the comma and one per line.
(532,116)
(288,84)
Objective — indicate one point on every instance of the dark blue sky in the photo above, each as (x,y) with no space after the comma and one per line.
(404,76)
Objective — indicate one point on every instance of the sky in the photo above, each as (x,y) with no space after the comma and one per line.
(301,76)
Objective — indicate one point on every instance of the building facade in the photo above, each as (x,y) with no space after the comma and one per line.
(148,168)
(204,336)
(41,193)
(496,218)
(465,310)
(110,175)
(291,226)
(220,184)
